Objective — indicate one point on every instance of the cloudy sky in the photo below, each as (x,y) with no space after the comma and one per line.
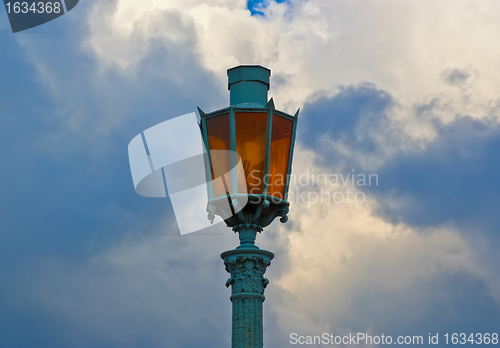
(406,90)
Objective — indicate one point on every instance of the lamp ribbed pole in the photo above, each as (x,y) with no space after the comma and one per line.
(247,265)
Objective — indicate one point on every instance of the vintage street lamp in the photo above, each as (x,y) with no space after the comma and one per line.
(252,131)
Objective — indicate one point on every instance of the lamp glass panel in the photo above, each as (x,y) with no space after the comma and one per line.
(218,132)
(281,137)
(251,131)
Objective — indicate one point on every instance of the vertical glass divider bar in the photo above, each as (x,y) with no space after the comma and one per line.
(268,150)
(290,157)
(208,161)
(232,131)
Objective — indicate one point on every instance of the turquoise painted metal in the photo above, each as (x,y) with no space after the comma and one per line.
(248,85)
(247,267)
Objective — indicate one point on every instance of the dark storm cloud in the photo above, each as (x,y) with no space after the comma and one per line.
(66,183)
(455,76)
(356,117)
(454,179)
(67,192)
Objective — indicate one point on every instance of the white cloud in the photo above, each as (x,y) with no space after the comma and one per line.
(402,47)
(311,46)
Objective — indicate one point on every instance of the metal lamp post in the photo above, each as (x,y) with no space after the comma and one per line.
(263,138)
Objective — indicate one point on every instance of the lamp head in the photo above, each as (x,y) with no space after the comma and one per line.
(249,152)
